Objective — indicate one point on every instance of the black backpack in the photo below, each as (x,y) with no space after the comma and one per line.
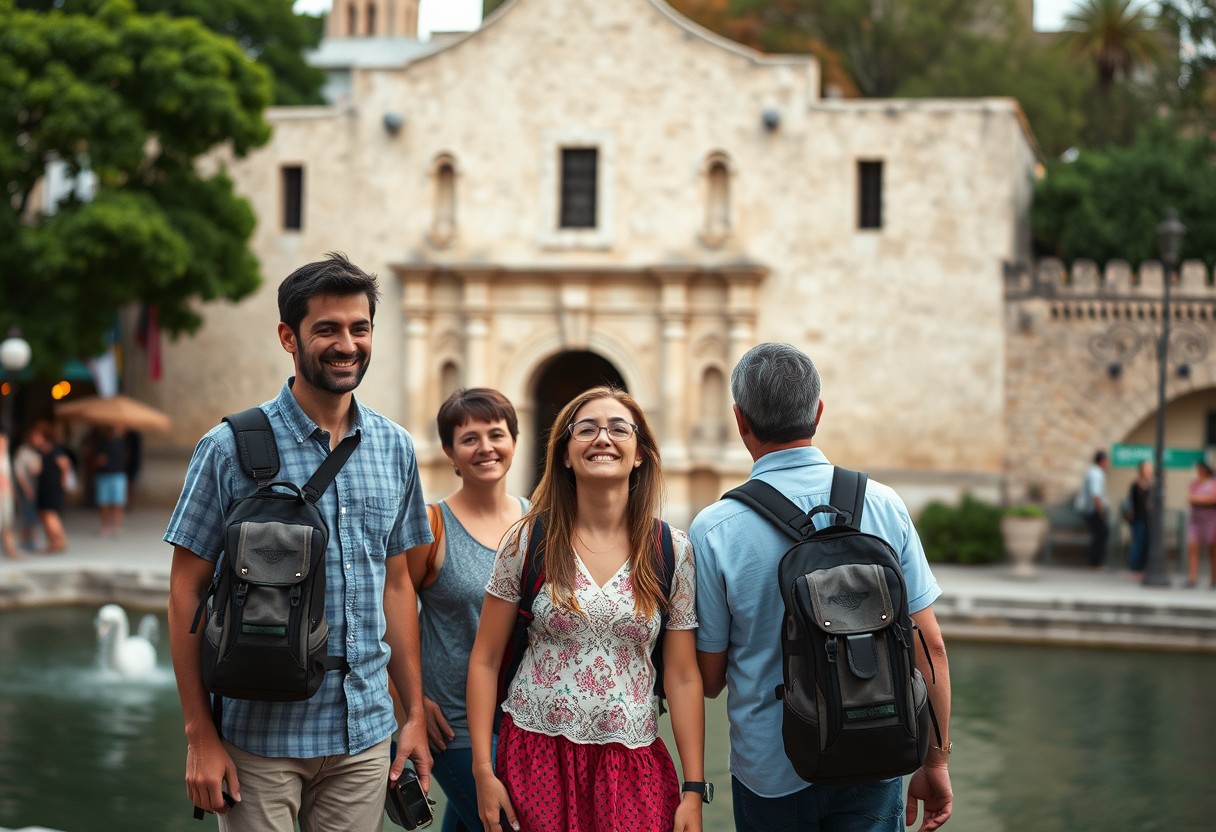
(531,581)
(266,636)
(855,707)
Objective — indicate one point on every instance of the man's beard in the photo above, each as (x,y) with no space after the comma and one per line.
(317,375)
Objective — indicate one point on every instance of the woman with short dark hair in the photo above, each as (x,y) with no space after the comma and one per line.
(478,430)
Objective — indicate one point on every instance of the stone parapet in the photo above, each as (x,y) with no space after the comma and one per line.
(1086,280)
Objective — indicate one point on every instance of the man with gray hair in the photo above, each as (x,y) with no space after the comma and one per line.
(778,409)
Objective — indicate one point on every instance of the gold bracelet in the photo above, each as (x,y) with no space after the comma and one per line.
(945,751)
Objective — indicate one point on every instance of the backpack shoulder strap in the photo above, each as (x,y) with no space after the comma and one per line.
(668,553)
(775,507)
(533,576)
(328,470)
(255,445)
(667,571)
(434,518)
(530,581)
(848,495)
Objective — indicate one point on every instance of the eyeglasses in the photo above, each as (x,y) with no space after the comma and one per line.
(589,431)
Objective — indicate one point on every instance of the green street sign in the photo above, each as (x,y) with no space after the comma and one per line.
(1129,456)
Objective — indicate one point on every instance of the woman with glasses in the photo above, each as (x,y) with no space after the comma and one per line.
(478,429)
(578,745)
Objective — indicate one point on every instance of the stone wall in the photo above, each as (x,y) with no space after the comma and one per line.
(456,211)
(1081,358)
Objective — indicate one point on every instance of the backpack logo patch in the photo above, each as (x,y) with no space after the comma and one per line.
(274,555)
(849,600)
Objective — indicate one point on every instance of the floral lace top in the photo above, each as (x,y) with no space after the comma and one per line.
(589,677)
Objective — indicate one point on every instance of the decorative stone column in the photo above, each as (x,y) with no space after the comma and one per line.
(741,314)
(673,381)
(417,312)
(476,308)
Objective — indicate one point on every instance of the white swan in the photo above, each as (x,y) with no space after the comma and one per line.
(127,654)
(149,628)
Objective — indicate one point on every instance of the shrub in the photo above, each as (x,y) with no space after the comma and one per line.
(1026,510)
(969,533)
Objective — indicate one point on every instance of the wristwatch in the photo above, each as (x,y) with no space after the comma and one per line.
(706,790)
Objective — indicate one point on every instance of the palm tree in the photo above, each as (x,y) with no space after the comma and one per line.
(1116,35)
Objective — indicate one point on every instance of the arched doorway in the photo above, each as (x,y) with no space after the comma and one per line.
(560,380)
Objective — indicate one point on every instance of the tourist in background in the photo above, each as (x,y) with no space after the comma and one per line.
(26,464)
(1137,497)
(52,478)
(8,514)
(110,477)
(1201,529)
(1094,506)
(578,745)
(478,430)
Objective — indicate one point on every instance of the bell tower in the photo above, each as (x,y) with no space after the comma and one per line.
(373,18)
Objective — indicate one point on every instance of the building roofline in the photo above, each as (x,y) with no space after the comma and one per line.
(694,29)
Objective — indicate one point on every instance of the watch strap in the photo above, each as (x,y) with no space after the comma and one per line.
(705,789)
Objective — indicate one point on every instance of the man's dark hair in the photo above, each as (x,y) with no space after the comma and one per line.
(777,388)
(335,275)
(1099,457)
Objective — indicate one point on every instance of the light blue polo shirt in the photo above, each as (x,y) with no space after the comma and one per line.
(739,603)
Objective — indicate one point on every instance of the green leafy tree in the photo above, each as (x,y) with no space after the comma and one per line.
(1116,36)
(269,31)
(1135,71)
(882,44)
(1018,65)
(915,48)
(1106,204)
(134,100)
(1194,23)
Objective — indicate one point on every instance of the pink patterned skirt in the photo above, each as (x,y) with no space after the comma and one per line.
(560,786)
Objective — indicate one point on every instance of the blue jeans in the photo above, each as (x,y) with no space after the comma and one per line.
(869,807)
(1137,553)
(454,772)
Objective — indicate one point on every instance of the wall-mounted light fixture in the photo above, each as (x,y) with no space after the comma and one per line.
(393,122)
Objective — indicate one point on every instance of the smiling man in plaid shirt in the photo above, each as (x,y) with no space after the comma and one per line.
(323,761)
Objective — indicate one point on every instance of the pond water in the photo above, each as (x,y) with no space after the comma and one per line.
(1045,738)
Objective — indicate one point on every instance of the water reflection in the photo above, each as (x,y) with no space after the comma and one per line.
(1083,740)
(1045,738)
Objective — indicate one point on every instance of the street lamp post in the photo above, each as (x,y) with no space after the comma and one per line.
(1170,232)
(15,357)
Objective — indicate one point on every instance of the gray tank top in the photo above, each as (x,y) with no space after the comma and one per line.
(451,607)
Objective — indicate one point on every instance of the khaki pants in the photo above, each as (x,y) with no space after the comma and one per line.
(326,794)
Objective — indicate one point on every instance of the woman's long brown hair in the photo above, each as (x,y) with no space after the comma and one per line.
(555,505)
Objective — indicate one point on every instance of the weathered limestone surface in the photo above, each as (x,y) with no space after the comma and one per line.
(906,322)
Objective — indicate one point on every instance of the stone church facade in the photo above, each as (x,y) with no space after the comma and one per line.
(583,191)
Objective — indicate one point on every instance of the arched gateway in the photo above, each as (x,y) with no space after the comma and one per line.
(667,335)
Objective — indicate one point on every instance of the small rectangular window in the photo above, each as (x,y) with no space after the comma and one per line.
(580,171)
(869,194)
(293,197)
